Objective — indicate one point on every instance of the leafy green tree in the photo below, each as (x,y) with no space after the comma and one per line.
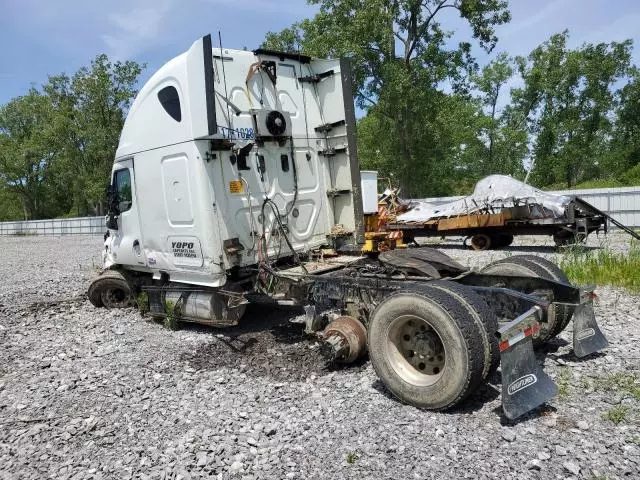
(10,205)
(401,58)
(26,152)
(568,100)
(500,126)
(624,152)
(90,109)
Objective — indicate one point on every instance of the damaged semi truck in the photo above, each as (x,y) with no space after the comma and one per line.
(236,175)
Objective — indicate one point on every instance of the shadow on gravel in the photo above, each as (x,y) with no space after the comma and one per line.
(265,344)
(550,346)
(544,410)
(475,401)
(570,357)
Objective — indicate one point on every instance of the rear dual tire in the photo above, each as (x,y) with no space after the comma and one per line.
(558,316)
(431,345)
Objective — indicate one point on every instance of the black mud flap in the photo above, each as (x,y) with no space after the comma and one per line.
(524,385)
(587,337)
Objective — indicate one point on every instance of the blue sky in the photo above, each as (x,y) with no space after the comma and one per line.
(41,37)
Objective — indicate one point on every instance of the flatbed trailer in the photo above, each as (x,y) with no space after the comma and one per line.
(495,230)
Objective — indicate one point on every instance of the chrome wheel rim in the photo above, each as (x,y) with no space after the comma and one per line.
(415,350)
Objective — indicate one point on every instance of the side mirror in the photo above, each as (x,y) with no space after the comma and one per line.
(113,209)
(112,222)
(112,200)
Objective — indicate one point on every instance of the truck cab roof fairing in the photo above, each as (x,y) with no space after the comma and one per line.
(148,126)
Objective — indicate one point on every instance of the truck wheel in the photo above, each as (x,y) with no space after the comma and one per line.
(481,242)
(558,316)
(426,347)
(483,316)
(110,290)
(501,241)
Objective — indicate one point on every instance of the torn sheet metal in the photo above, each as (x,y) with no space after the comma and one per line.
(490,195)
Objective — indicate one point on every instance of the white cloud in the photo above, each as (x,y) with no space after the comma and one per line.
(133,31)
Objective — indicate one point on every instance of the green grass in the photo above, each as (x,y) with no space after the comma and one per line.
(564,377)
(352,457)
(172,318)
(626,382)
(143,303)
(617,414)
(599,477)
(603,267)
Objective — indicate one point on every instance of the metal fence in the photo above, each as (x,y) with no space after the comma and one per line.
(621,203)
(58,226)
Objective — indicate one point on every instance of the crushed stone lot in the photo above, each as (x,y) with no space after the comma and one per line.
(95,393)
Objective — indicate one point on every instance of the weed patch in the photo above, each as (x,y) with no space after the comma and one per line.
(603,267)
(172,317)
(352,457)
(564,377)
(617,414)
(143,303)
(627,383)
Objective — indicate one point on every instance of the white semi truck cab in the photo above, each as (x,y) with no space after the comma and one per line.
(235,168)
(222,153)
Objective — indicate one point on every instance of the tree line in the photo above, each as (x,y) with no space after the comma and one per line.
(57,142)
(434,121)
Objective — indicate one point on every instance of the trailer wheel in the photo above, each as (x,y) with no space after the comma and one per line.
(502,240)
(558,316)
(110,290)
(426,347)
(481,242)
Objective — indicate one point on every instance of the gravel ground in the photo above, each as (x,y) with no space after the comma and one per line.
(91,393)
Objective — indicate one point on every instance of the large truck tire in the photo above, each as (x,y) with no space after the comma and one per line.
(111,290)
(558,316)
(426,347)
(483,316)
(481,242)
(501,240)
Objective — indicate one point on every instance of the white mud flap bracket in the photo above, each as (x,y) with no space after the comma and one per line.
(587,337)
(524,385)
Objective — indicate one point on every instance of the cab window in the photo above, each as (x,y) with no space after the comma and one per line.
(122,183)
(170,101)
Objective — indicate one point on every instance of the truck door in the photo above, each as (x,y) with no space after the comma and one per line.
(127,242)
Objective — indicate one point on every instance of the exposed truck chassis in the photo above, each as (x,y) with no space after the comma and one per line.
(209,211)
(434,330)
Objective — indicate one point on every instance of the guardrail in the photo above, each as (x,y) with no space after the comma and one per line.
(57,226)
(621,203)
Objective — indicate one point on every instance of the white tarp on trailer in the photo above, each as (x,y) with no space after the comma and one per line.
(494,191)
